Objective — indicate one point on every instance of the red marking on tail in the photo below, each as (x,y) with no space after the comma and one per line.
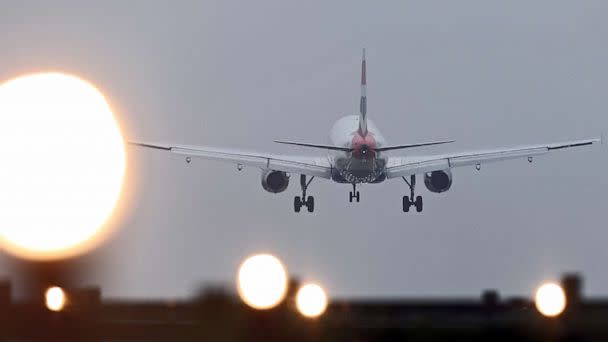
(363,81)
(364,146)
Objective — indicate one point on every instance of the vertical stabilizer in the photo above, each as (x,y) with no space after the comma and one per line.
(363,103)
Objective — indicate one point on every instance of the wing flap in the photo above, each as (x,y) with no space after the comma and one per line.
(400,167)
(488,157)
(311,166)
(407,168)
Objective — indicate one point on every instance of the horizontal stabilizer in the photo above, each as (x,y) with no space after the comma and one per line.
(321,146)
(348,149)
(401,147)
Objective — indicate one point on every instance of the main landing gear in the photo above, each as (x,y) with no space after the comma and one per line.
(309,202)
(409,201)
(354,194)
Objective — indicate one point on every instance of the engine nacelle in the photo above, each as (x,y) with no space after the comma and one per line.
(438,181)
(274,181)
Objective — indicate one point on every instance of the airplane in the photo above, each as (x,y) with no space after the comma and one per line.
(357,154)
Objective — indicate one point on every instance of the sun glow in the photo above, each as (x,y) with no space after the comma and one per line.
(63,163)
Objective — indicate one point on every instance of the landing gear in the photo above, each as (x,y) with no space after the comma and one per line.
(410,201)
(354,194)
(309,202)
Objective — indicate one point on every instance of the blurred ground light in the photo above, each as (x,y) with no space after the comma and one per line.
(311,300)
(262,281)
(550,300)
(55,298)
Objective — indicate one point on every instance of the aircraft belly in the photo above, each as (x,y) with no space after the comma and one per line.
(353,170)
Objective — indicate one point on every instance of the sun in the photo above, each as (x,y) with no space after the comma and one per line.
(63,163)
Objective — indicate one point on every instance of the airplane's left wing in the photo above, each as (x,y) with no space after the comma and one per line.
(406,166)
(310,166)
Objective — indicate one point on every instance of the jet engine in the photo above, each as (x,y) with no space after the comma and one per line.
(438,181)
(274,181)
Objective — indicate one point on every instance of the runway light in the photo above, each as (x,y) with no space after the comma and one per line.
(262,281)
(550,300)
(55,298)
(311,300)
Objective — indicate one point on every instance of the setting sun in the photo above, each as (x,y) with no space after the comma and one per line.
(63,163)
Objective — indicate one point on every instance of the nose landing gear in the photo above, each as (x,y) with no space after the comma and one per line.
(354,194)
(299,202)
(410,201)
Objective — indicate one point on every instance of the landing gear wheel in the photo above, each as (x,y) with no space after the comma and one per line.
(310,204)
(297,204)
(418,204)
(406,204)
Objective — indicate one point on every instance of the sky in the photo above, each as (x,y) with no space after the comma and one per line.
(241,74)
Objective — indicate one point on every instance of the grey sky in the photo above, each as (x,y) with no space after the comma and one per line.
(485,73)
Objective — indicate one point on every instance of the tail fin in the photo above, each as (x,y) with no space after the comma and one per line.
(363,103)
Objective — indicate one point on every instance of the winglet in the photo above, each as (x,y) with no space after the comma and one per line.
(363,102)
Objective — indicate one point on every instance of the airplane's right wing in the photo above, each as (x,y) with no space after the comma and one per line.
(406,166)
(310,166)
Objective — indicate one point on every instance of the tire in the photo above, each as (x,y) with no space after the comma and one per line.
(406,204)
(310,204)
(358,197)
(297,204)
(418,204)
